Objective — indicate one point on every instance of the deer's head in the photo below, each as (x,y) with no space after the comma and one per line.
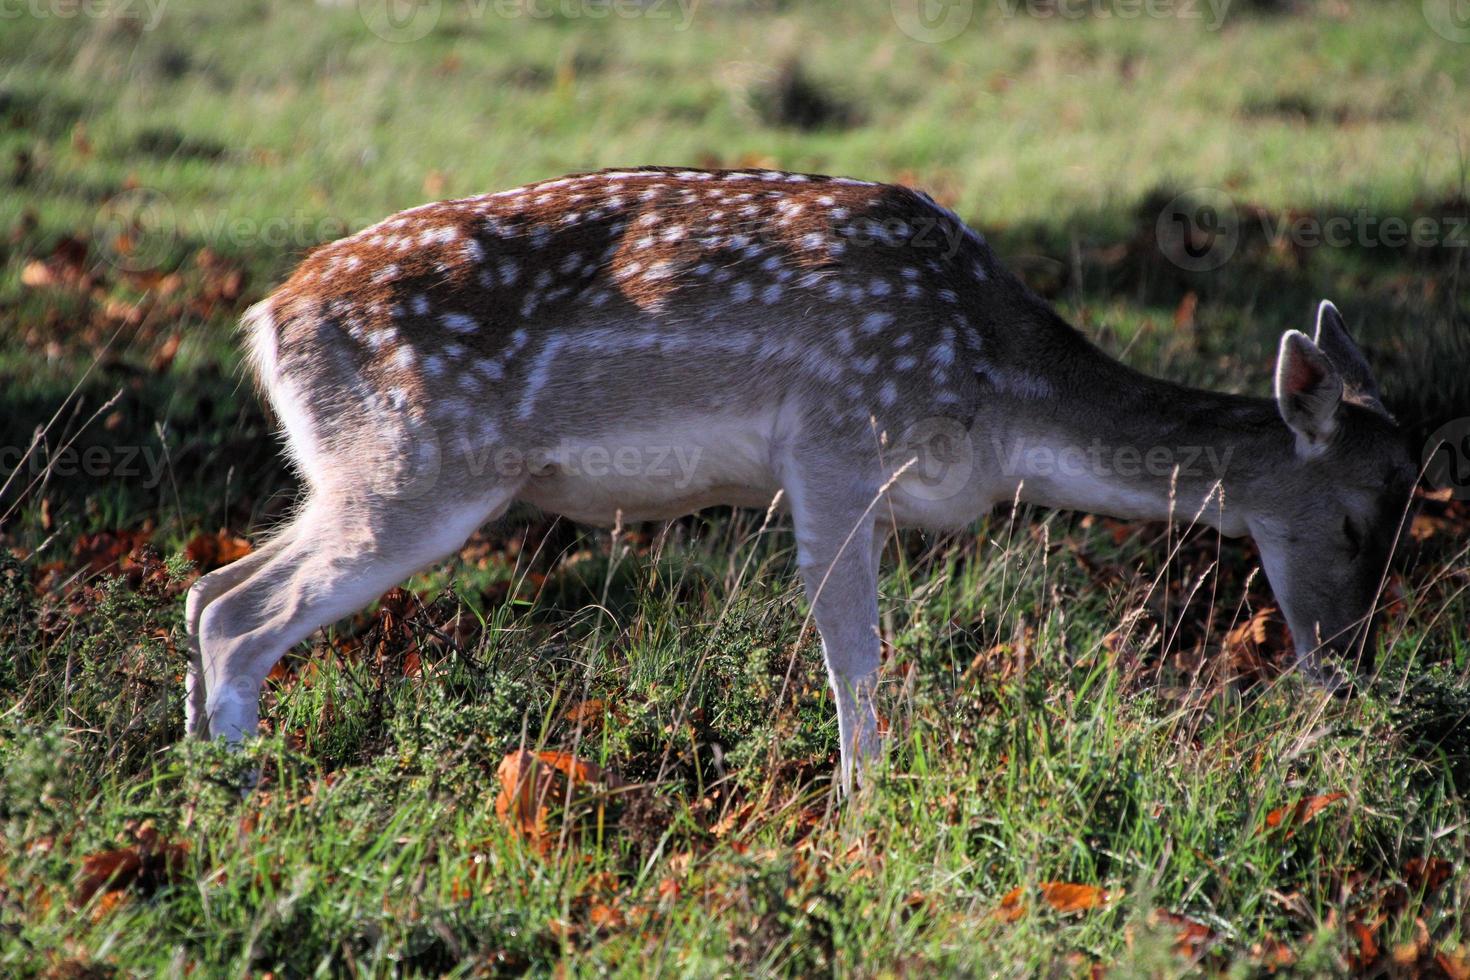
(1328,523)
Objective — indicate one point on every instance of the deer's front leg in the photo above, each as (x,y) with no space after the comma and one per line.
(839,566)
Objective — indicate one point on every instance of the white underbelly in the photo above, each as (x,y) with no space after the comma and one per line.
(657,473)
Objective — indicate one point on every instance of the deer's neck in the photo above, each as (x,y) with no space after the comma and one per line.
(1114,441)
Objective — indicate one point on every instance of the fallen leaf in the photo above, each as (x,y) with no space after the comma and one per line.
(606,917)
(533,783)
(211,551)
(1299,813)
(1063,896)
(164,359)
(145,866)
(1011,907)
(1454,963)
(585,713)
(1191,938)
(1257,643)
(1365,937)
(1184,312)
(1273,954)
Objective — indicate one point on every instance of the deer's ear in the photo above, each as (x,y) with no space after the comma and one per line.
(1308,390)
(1333,340)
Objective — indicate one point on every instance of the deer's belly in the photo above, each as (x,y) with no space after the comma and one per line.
(655,474)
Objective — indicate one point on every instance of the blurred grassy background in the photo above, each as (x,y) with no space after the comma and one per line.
(162,167)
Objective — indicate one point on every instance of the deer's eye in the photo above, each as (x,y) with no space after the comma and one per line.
(1354,537)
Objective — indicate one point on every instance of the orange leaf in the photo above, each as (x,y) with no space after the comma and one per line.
(1184,312)
(1455,964)
(1064,896)
(1011,907)
(1366,937)
(1426,875)
(1273,954)
(1299,813)
(110,870)
(146,867)
(585,713)
(1191,938)
(532,783)
(211,551)
(606,917)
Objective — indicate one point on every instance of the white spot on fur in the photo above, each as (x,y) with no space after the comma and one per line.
(874,322)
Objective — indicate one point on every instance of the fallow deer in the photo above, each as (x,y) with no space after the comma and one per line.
(849,348)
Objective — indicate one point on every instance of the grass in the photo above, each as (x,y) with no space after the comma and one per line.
(1069,700)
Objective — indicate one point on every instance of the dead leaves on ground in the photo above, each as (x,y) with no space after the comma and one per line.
(1062,897)
(211,551)
(147,864)
(536,785)
(146,301)
(1300,813)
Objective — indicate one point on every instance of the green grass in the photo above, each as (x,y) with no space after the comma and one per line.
(1061,700)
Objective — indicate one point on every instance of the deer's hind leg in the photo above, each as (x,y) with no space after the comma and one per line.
(340,554)
(203,592)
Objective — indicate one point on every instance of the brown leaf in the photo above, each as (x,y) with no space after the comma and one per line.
(737,817)
(145,866)
(113,870)
(164,359)
(1064,896)
(585,713)
(103,551)
(1191,938)
(211,551)
(413,664)
(1454,963)
(1257,643)
(1365,936)
(1426,875)
(1011,906)
(606,916)
(1273,954)
(1299,813)
(1184,312)
(532,783)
